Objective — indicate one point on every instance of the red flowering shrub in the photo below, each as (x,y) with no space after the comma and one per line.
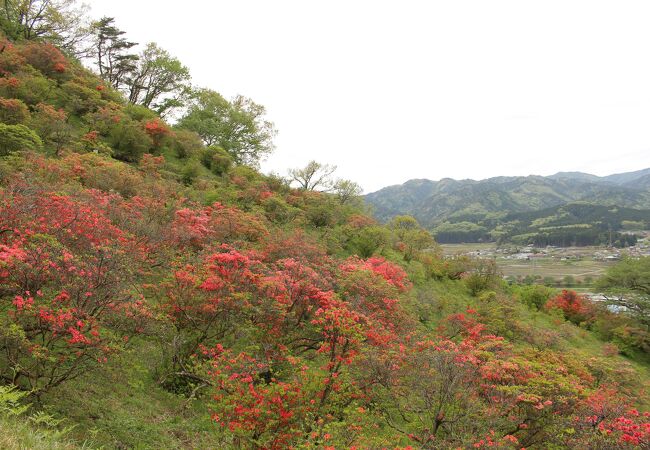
(152,164)
(13,111)
(216,223)
(205,302)
(575,308)
(157,130)
(9,87)
(65,267)
(11,59)
(45,57)
(271,413)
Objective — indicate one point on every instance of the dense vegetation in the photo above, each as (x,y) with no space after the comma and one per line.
(562,210)
(159,292)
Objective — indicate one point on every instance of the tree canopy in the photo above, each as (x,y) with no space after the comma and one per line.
(238,126)
(627,285)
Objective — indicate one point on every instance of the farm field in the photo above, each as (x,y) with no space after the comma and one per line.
(552,267)
(582,267)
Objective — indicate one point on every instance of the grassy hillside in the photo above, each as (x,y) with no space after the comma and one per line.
(161,293)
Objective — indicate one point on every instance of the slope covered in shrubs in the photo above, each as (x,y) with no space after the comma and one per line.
(158,293)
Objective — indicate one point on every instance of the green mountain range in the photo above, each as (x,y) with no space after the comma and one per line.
(520,208)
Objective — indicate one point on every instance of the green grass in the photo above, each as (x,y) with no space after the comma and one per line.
(122,406)
(553,267)
(16,433)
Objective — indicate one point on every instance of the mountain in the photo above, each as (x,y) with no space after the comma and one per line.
(626,178)
(572,224)
(579,176)
(434,202)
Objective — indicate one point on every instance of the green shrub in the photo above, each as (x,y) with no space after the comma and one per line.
(216,159)
(534,296)
(129,141)
(190,172)
(80,99)
(139,113)
(15,138)
(186,143)
(35,89)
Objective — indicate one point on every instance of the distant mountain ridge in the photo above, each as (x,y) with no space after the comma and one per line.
(449,200)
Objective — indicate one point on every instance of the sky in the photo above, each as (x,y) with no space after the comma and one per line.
(393,90)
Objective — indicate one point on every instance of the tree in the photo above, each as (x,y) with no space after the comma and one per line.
(314,176)
(347,190)
(58,21)
(239,126)
(111,51)
(627,285)
(158,80)
(484,275)
(216,159)
(410,235)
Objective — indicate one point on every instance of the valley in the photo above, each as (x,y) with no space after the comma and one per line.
(574,267)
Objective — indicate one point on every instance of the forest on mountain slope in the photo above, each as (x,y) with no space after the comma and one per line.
(158,291)
(587,207)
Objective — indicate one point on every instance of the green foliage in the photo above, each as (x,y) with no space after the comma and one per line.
(367,241)
(216,159)
(190,172)
(410,235)
(129,141)
(187,143)
(80,99)
(15,138)
(139,113)
(239,126)
(534,296)
(627,285)
(37,89)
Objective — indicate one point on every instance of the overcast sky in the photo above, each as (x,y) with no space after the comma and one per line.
(390,91)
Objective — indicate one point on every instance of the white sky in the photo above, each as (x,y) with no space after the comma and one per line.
(394,90)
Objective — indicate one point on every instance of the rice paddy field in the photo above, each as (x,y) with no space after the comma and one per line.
(576,262)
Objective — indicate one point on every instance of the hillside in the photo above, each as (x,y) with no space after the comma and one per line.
(158,291)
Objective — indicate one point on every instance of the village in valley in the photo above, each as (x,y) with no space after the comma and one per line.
(573,267)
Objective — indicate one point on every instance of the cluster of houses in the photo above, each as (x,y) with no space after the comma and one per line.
(642,248)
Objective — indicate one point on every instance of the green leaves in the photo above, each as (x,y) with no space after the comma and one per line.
(627,285)
(15,138)
(239,126)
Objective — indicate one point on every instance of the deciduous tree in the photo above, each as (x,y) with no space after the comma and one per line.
(158,80)
(239,126)
(314,176)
